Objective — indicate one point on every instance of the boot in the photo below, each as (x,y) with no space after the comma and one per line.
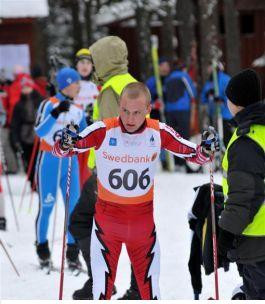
(2,223)
(72,257)
(85,293)
(43,253)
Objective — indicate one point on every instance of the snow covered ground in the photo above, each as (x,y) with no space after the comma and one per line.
(173,199)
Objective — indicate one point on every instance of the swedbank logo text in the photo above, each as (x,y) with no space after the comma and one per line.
(126,158)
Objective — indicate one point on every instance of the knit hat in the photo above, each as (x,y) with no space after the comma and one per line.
(244,88)
(66,76)
(83,54)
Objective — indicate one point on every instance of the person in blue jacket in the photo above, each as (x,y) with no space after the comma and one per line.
(208,98)
(164,71)
(53,115)
(156,103)
(180,92)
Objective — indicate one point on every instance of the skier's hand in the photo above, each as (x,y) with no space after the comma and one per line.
(69,137)
(63,106)
(210,141)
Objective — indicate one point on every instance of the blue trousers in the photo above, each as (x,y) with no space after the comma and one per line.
(48,167)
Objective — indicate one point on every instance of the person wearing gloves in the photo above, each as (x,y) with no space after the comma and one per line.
(110,71)
(242,223)
(53,115)
(127,150)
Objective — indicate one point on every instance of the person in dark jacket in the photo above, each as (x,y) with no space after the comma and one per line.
(242,223)
(22,132)
(200,219)
(208,98)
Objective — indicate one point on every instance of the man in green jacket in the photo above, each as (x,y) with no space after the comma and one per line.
(110,70)
(242,223)
(109,55)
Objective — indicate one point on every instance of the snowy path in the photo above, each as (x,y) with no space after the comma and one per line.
(173,199)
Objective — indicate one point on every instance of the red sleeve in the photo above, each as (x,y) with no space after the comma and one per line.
(173,142)
(92,137)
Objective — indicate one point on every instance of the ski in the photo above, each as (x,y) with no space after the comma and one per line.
(51,268)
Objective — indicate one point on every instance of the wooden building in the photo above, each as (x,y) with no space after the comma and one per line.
(19,35)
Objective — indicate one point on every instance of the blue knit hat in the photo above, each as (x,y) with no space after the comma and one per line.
(66,76)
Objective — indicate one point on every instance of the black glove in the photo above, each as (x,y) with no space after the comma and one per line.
(210,141)
(69,136)
(225,242)
(62,107)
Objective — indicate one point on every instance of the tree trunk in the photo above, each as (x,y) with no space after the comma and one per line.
(168,31)
(90,23)
(232,37)
(77,27)
(144,39)
(208,35)
(186,28)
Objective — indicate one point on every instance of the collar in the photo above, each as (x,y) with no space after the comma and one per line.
(140,130)
(60,96)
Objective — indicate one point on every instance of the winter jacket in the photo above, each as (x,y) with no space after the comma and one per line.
(180,90)
(109,56)
(151,84)
(208,90)
(201,252)
(246,189)
(23,120)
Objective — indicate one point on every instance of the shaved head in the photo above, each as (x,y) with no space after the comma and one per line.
(134,105)
(136,89)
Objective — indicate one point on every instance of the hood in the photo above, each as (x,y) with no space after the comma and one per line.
(109,55)
(253,114)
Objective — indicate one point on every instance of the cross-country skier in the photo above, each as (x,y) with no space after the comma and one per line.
(208,98)
(53,115)
(110,71)
(127,150)
(86,98)
(242,223)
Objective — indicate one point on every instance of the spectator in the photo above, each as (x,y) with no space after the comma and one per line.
(180,93)
(22,124)
(208,98)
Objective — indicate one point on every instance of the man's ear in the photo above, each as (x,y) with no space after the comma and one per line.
(149,108)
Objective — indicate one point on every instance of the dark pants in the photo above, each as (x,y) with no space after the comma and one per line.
(254,280)
(227,132)
(180,122)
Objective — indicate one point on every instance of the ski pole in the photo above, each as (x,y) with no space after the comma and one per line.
(159,89)
(31,197)
(9,257)
(7,182)
(215,253)
(65,225)
(32,157)
(55,208)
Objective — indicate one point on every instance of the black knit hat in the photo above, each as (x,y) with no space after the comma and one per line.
(244,88)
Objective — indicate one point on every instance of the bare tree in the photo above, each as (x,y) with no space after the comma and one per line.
(208,35)
(142,15)
(186,18)
(77,27)
(232,37)
(168,30)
